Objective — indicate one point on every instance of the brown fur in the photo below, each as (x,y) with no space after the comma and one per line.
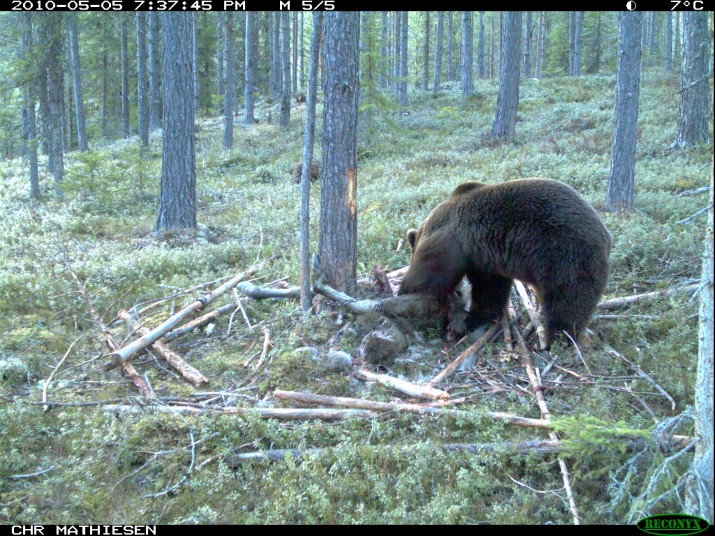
(313,172)
(539,231)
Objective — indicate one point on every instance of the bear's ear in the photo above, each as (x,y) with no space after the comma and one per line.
(412,238)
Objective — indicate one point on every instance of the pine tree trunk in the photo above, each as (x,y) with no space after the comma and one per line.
(467,47)
(29,116)
(52,36)
(528,44)
(142,100)
(285,68)
(195,63)
(338,191)
(250,62)
(699,496)
(177,204)
(508,98)
(694,109)
(425,53)
(220,46)
(105,91)
(124,66)
(669,42)
(577,32)
(77,82)
(305,292)
(438,52)
(154,72)
(540,47)
(619,195)
(294,50)
(404,26)
(450,47)
(276,72)
(230,86)
(302,54)
(480,48)
(397,36)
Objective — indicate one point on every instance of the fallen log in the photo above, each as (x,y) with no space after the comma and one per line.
(403,386)
(266,413)
(625,301)
(129,351)
(175,360)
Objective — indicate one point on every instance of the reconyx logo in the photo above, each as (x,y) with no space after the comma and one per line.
(668,524)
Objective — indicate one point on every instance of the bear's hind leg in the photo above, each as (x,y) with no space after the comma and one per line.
(567,311)
(490,294)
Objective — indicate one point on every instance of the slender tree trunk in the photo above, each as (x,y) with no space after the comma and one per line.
(177,204)
(302,55)
(384,59)
(540,46)
(694,110)
(105,91)
(52,35)
(230,86)
(276,72)
(338,192)
(450,47)
(481,72)
(620,194)
(124,65)
(142,86)
(425,53)
(195,63)
(438,51)
(676,39)
(397,36)
(699,496)
(576,33)
(154,72)
(305,292)
(492,55)
(220,46)
(669,42)
(77,82)
(528,43)
(29,118)
(250,62)
(467,47)
(508,98)
(294,51)
(651,37)
(285,67)
(404,26)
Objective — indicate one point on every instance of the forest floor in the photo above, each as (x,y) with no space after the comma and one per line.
(100,454)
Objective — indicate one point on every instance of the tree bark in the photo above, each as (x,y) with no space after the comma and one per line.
(540,46)
(220,46)
(481,71)
(620,194)
(77,83)
(154,72)
(305,291)
(230,85)
(195,63)
(528,36)
(694,109)
(52,35)
(338,192)
(124,66)
(508,98)
(439,38)
(450,47)
(402,84)
(142,100)
(699,499)
(29,116)
(250,62)
(467,48)
(177,205)
(285,68)
(425,53)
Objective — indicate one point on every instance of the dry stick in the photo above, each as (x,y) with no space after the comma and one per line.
(266,347)
(198,322)
(408,388)
(262,293)
(539,393)
(47,383)
(266,413)
(187,371)
(642,374)
(359,403)
(127,352)
(478,345)
(616,303)
(531,310)
(137,380)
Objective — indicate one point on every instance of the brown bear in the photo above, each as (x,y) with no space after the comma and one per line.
(539,231)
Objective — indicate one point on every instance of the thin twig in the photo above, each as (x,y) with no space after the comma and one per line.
(47,382)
